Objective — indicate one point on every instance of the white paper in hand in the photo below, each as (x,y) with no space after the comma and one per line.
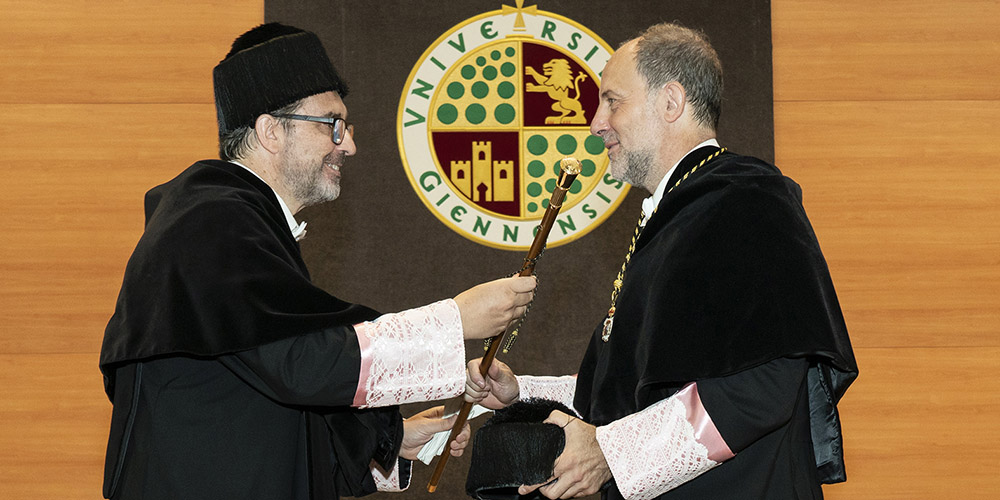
(435,446)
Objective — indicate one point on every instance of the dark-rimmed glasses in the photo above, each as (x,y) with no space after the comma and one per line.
(340,126)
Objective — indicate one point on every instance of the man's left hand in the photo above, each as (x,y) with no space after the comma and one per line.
(581,468)
(496,390)
(420,428)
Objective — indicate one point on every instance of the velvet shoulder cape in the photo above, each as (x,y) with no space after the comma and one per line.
(727,275)
(216,271)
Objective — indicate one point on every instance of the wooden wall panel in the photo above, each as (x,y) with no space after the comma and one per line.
(117,51)
(76,210)
(884,113)
(54,426)
(913,50)
(920,423)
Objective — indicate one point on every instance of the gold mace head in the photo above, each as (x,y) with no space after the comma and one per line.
(570,165)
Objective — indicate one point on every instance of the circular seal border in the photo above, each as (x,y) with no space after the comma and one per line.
(429,183)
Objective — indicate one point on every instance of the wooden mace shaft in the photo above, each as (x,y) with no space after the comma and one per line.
(570,168)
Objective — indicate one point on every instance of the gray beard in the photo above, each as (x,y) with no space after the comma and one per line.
(636,167)
(317,193)
(310,186)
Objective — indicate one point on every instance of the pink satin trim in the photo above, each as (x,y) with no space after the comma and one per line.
(705,431)
(361,394)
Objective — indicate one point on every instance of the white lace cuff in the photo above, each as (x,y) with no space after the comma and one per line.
(561,389)
(389,481)
(662,447)
(411,356)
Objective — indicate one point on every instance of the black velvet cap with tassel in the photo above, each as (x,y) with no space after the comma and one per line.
(269,67)
(513,448)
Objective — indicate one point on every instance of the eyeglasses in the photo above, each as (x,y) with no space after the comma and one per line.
(340,126)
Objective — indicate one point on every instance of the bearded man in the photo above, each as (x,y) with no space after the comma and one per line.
(718,367)
(231,374)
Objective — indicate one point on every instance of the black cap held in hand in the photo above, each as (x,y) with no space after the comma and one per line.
(513,448)
(269,67)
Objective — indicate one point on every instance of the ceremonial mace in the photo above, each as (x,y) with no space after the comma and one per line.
(570,168)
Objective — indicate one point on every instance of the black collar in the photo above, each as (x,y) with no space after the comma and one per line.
(690,161)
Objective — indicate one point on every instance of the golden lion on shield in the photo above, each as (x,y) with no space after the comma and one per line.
(557,81)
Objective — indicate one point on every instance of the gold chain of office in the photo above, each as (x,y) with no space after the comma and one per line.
(609,322)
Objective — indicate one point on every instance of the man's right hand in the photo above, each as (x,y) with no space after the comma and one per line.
(498,389)
(488,309)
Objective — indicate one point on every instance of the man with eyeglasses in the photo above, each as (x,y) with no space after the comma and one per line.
(231,375)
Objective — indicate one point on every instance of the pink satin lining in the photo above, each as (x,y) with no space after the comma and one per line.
(361,394)
(705,431)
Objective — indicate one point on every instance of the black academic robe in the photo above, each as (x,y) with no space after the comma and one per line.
(727,287)
(230,373)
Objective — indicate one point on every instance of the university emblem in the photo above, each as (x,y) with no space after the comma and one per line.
(488,112)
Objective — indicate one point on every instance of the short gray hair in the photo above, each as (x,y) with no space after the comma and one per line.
(667,52)
(238,143)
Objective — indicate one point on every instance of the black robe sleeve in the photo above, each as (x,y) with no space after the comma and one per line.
(762,413)
(318,369)
(755,402)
